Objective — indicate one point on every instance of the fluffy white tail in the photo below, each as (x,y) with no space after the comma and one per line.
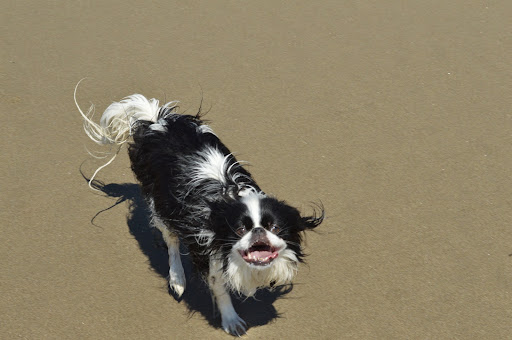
(115,126)
(116,123)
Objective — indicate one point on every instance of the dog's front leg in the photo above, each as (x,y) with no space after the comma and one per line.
(231,322)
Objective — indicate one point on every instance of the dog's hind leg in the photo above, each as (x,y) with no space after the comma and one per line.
(177,280)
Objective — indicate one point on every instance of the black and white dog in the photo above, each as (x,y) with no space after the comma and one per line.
(240,238)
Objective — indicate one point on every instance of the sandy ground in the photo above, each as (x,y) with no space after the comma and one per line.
(396,115)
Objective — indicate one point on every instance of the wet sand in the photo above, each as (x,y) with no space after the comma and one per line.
(397,116)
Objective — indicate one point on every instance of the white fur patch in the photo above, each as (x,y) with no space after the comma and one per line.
(157,127)
(212,164)
(206,129)
(252,201)
(134,107)
(247,190)
(160,125)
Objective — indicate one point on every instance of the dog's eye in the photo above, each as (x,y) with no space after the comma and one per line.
(241,231)
(274,229)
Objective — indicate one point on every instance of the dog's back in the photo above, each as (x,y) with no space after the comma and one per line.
(180,161)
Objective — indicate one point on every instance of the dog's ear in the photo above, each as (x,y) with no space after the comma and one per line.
(313,221)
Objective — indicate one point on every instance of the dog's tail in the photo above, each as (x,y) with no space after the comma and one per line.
(119,120)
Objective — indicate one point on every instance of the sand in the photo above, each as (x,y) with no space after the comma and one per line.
(396,115)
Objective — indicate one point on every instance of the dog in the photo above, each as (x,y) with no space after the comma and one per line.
(239,238)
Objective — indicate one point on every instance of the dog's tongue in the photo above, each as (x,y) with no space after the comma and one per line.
(261,254)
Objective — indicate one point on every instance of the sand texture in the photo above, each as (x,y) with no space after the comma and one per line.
(397,115)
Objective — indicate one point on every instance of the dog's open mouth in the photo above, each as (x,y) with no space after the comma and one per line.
(259,254)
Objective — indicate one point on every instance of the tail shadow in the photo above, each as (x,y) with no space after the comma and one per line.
(255,311)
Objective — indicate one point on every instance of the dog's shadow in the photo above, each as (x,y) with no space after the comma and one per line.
(255,311)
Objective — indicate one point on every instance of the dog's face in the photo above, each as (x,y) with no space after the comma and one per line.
(259,233)
(259,247)
(266,228)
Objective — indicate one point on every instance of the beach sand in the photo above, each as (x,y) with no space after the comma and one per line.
(397,116)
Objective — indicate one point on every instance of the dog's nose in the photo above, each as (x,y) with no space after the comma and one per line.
(258,231)
(259,235)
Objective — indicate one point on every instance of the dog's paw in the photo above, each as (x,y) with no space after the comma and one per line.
(177,282)
(233,324)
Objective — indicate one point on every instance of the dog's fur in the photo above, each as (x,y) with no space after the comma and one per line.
(240,238)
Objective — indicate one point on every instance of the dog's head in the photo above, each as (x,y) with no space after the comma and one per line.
(260,238)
